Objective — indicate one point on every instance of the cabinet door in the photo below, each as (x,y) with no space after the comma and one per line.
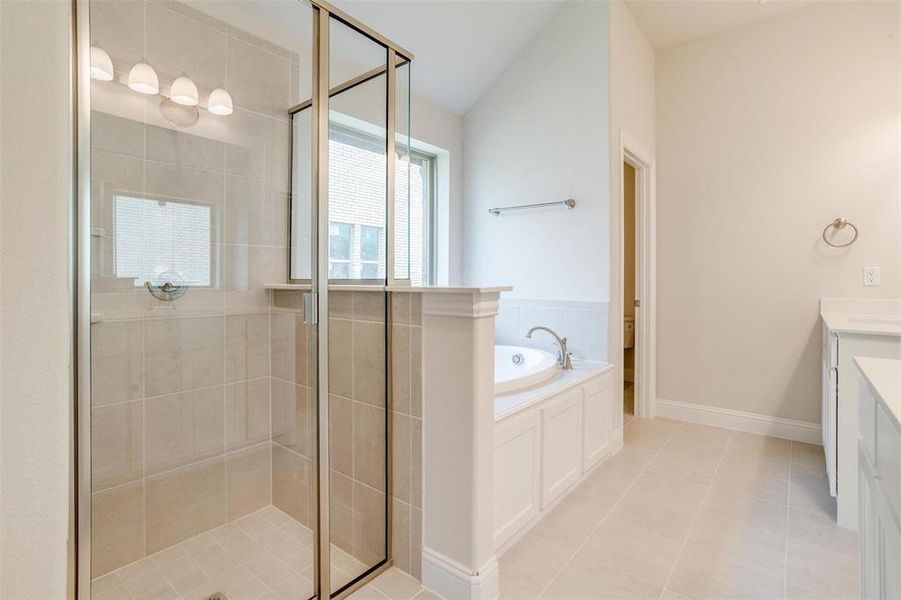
(869,533)
(517,463)
(562,445)
(891,555)
(597,410)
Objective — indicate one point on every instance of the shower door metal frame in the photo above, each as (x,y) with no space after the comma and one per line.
(81,251)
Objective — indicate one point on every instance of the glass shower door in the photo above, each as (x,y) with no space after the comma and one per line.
(357,338)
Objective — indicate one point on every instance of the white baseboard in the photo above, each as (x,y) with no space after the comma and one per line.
(789,429)
(453,581)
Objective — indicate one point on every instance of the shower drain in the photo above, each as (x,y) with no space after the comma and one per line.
(216,596)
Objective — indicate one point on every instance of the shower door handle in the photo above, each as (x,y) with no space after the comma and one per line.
(311,308)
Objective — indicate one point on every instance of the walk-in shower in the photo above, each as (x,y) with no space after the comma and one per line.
(243,210)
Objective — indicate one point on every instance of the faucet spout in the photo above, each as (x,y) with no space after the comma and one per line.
(564,357)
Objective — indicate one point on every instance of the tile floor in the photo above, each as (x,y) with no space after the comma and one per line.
(687,511)
(265,555)
(681,512)
(394,584)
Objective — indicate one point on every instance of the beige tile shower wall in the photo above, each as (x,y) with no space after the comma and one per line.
(407,428)
(357,406)
(181,391)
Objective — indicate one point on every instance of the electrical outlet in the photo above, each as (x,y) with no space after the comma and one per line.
(871,276)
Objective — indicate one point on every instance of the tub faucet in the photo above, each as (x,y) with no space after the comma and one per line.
(564,358)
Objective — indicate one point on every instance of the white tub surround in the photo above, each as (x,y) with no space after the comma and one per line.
(583,323)
(879,457)
(851,328)
(546,440)
(458,560)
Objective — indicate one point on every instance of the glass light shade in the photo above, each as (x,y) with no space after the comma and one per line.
(184,92)
(220,102)
(101,65)
(142,78)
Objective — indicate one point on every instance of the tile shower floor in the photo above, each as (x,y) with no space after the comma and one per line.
(265,555)
(687,511)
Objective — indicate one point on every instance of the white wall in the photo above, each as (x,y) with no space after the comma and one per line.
(632,112)
(35,192)
(765,134)
(540,134)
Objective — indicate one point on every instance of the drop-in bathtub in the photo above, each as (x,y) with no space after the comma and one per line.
(517,368)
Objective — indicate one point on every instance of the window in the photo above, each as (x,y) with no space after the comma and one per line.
(161,240)
(357,202)
(370,243)
(339,244)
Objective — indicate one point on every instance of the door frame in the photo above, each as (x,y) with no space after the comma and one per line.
(632,152)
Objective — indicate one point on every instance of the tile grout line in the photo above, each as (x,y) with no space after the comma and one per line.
(609,512)
(698,510)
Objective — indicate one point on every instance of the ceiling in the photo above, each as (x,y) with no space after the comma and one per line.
(460,47)
(669,22)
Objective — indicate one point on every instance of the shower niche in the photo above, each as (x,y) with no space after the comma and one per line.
(233,437)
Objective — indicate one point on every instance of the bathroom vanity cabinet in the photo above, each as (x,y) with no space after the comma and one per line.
(851,328)
(547,446)
(879,460)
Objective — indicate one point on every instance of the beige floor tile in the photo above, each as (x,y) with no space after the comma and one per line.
(821,571)
(530,563)
(689,447)
(702,573)
(638,553)
(809,489)
(704,434)
(669,594)
(397,585)
(733,542)
(819,528)
(699,470)
(367,592)
(569,523)
(585,578)
(426,594)
(511,590)
(809,455)
(761,445)
(644,507)
(754,485)
(737,460)
(747,512)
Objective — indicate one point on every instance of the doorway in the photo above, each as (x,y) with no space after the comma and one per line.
(629,296)
(638,281)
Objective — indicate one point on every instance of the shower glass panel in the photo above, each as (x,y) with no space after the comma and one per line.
(203,383)
(357,245)
(407,226)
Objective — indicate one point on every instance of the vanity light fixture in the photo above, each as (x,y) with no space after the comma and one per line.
(101,64)
(142,79)
(220,103)
(184,92)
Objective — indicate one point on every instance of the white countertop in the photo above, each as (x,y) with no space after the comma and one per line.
(864,316)
(505,404)
(862,323)
(884,376)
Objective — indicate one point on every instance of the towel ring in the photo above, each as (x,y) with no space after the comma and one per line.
(840,224)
